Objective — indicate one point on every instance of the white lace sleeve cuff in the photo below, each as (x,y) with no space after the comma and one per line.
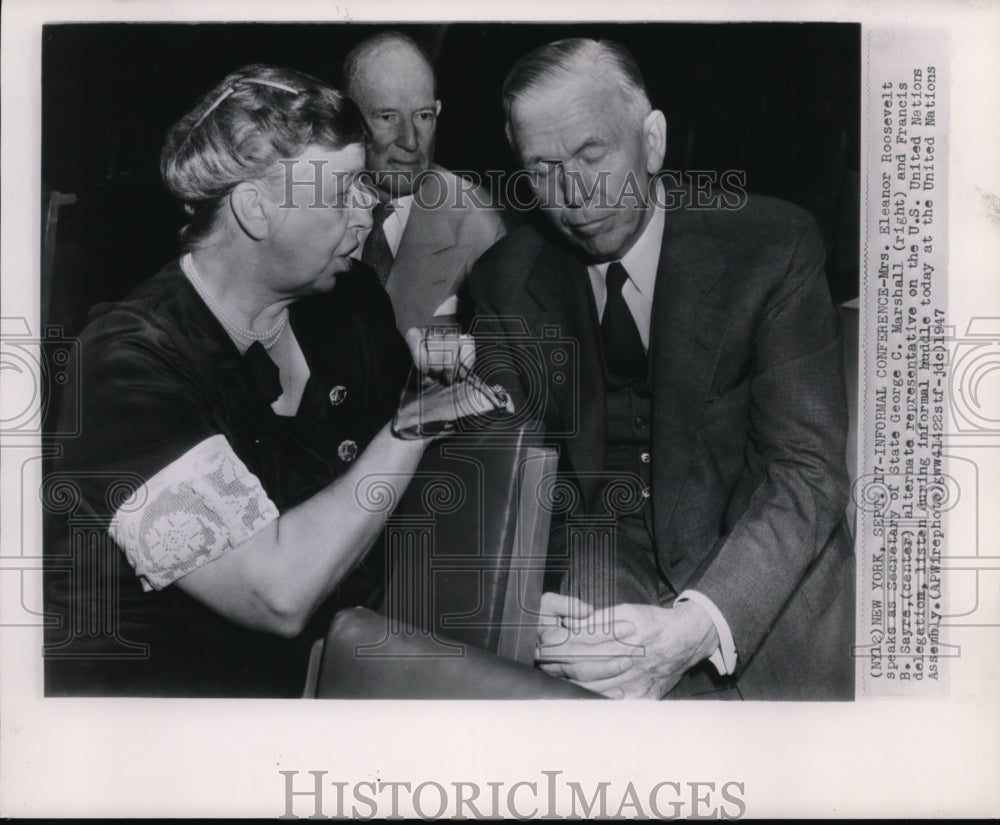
(190,513)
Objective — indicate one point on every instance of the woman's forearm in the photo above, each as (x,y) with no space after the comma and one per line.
(275,580)
(331,532)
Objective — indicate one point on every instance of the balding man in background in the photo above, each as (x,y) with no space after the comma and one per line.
(429,225)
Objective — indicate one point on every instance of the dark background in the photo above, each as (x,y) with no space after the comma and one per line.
(780,101)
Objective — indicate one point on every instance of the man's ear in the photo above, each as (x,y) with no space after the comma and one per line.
(654,130)
(251,208)
(437,108)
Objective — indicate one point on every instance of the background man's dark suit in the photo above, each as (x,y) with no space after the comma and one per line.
(748,432)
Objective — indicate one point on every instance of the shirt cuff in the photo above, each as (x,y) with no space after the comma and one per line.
(724,657)
(448,307)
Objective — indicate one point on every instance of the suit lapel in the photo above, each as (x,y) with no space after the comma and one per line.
(426,264)
(688,328)
(560,289)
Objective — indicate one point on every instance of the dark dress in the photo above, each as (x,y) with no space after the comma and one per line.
(159,376)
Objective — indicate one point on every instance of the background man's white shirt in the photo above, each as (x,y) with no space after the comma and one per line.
(395,223)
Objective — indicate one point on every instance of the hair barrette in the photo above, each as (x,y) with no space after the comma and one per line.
(230,89)
(273,84)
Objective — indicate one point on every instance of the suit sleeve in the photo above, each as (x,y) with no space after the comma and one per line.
(499,226)
(496,357)
(479,228)
(796,445)
(482,230)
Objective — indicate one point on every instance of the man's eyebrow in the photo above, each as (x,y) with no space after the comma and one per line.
(546,162)
(590,143)
(389,110)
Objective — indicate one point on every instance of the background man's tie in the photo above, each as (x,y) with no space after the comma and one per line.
(376,252)
(623,350)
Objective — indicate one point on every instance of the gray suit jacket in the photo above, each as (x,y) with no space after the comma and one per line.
(445,233)
(749,424)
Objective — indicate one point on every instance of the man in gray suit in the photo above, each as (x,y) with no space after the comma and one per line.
(429,225)
(709,383)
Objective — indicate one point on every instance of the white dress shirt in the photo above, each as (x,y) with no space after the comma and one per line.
(641,263)
(395,222)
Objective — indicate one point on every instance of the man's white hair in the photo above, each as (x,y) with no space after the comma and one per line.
(356,57)
(565,61)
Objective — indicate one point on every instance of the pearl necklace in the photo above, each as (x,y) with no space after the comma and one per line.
(241,335)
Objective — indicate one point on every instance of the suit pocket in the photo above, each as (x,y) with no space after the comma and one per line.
(728,383)
(731,398)
(728,410)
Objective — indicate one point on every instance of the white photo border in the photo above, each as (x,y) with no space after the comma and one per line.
(919,756)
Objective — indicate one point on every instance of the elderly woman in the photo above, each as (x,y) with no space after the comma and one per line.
(246,390)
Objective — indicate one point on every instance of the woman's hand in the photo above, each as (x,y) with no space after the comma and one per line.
(441,352)
(436,406)
(450,389)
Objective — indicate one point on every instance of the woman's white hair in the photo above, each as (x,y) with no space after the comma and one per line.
(564,61)
(241,128)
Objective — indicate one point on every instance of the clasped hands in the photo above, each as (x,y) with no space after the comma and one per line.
(627,651)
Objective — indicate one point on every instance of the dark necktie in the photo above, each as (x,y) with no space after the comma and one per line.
(623,350)
(376,252)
